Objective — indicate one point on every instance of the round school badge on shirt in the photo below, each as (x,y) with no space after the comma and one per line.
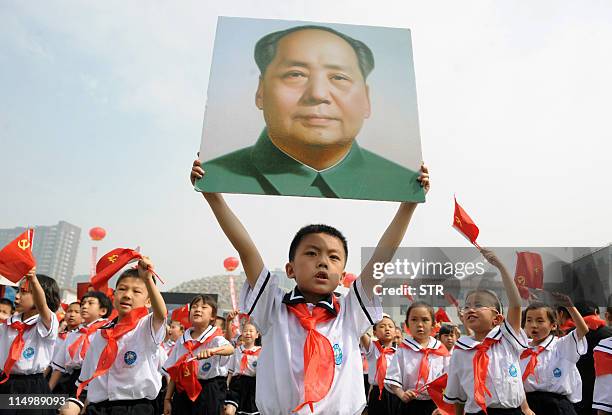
(28,353)
(513,371)
(130,357)
(206,367)
(557,372)
(337,354)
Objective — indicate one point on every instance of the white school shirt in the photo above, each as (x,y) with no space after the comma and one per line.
(167,346)
(61,357)
(404,368)
(207,368)
(556,370)
(504,378)
(280,376)
(371,356)
(38,348)
(135,372)
(602,392)
(234,364)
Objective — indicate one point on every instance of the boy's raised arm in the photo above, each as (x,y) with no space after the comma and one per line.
(391,239)
(233,229)
(514,297)
(40,301)
(158,304)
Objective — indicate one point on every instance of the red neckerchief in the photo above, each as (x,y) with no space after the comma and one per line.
(83,339)
(185,374)
(381,365)
(62,335)
(245,360)
(112,335)
(533,361)
(594,322)
(569,324)
(481,370)
(424,365)
(603,363)
(319,362)
(16,347)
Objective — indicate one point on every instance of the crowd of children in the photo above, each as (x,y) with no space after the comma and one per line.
(302,351)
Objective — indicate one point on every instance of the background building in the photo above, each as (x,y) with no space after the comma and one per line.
(55,249)
(220,284)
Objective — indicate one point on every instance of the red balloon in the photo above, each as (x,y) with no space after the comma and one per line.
(231,263)
(348,279)
(97,233)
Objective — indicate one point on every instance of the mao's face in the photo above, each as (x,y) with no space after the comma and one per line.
(313,93)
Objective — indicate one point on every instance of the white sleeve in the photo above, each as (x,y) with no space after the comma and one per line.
(48,333)
(58,362)
(454,393)
(91,359)
(518,341)
(172,357)
(570,348)
(261,301)
(231,367)
(158,337)
(369,353)
(363,311)
(393,376)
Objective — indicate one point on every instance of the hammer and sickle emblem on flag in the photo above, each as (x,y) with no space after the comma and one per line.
(520,279)
(536,270)
(458,220)
(113,258)
(186,372)
(23,244)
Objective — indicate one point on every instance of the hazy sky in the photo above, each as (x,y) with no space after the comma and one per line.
(101,109)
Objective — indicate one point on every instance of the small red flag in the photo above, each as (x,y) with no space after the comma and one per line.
(16,258)
(110,264)
(465,225)
(181,315)
(529,272)
(441,316)
(435,388)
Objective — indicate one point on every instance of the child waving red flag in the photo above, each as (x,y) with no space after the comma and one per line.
(16,258)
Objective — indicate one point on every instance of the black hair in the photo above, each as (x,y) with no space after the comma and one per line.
(498,305)
(318,228)
(380,321)
(206,299)
(265,49)
(103,301)
(422,304)
(51,289)
(446,328)
(587,308)
(130,273)
(6,301)
(609,305)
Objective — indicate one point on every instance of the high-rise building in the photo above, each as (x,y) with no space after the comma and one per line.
(54,247)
